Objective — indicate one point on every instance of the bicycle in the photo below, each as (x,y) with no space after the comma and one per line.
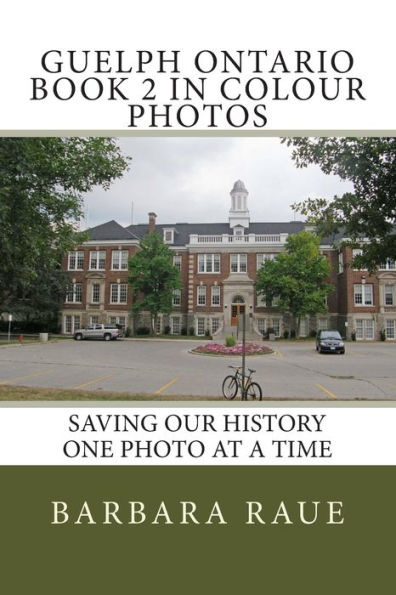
(231,384)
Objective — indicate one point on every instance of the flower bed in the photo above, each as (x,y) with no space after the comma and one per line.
(217,349)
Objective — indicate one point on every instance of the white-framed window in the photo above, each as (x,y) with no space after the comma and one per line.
(323,324)
(120,320)
(238,263)
(276,326)
(95,297)
(215,291)
(363,294)
(390,329)
(75,261)
(176,297)
(261,325)
(119,260)
(94,319)
(388,265)
(357,252)
(215,322)
(389,295)
(168,235)
(74,293)
(208,263)
(118,293)
(177,262)
(200,326)
(97,260)
(175,324)
(365,329)
(340,262)
(71,323)
(304,327)
(201,295)
(262,257)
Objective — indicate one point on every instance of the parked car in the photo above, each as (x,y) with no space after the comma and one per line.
(107,332)
(329,342)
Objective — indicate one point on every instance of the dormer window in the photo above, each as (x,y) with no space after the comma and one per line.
(238,231)
(168,237)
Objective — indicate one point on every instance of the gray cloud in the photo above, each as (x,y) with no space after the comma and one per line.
(189,179)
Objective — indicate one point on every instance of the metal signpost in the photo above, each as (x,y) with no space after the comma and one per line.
(243,357)
(9,327)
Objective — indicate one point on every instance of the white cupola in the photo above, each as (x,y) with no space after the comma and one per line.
(239,213)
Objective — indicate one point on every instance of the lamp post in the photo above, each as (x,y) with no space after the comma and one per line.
(243,356)
(9,327)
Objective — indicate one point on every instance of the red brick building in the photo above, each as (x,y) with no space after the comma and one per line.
(218,264)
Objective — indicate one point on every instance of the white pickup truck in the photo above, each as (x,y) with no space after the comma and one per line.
(107,332)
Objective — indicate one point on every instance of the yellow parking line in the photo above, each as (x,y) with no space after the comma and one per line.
(167,385)
(325,390)
(24,377)
(93,381)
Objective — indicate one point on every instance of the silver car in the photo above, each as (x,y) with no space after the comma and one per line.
(108,332)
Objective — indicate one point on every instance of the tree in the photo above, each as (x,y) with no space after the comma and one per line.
(42,182)
(367,213)
(298,277)
(153,277)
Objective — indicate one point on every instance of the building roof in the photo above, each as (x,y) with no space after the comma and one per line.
(239,186)
(183,230)
(110,231)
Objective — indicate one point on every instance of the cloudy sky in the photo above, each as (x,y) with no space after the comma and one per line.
(189,180)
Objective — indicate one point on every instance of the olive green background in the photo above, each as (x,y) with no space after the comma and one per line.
(37,557)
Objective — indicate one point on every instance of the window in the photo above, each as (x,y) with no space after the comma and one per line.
(304,325)
(74,293)
(363,294)
(239,232)
(389,295)
(365,329)
(97,260)
(177,262)
(323,324)
(119,260)
(356,252)
(118,293)
(261,300)
(75,261)
(168,236)
(176,297)
(215,295)
(200,326)
(261,325)
(238,263)
(340,262)
(120,320)
(276,326)
(389,265)
(201,295)
(260,258)
(208,263)
(93,320)
(390,329)
(215,325)
(71,323)
(175,325)
(95,293)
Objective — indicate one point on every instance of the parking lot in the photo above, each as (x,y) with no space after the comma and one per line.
(293,371)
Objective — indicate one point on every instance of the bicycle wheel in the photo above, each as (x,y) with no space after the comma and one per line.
(253,392)
(230,387)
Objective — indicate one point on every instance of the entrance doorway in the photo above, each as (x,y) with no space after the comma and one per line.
(237,307)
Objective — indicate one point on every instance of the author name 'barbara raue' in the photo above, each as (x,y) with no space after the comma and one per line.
(187,512)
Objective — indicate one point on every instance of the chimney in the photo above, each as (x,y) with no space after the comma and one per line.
(152,218)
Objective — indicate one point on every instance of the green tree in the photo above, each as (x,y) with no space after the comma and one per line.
(369,211)
(298,277)
(42,182)
(153,277)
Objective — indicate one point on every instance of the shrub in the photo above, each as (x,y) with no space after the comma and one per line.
(293,333)
(353,335)
(286,334)
(383,334)
(166,329)
(191,331)
(143,330)
(207,333)
(127,331)
(312,333)
(230,341)
(184,330)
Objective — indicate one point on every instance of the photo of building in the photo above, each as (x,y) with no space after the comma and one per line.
(218,264)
